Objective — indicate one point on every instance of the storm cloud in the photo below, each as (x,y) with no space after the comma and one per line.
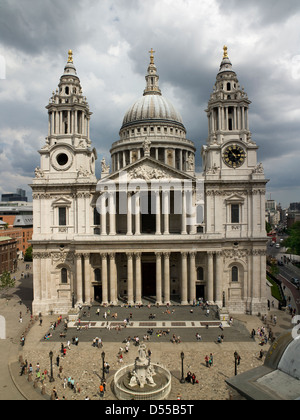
(111,40)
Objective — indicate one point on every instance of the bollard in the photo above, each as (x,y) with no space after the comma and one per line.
(30,377)
(43,391)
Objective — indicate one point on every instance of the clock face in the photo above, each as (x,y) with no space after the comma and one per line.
(234,156)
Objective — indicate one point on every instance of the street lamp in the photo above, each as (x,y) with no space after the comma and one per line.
(182,381)
(51,366)
(73,300)
(237,359)
(103,367)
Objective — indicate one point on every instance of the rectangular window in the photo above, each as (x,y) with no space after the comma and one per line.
(62,215)
(235,213)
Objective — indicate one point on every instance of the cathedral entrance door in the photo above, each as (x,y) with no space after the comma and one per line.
(149,279)
(98,294)
(200,291)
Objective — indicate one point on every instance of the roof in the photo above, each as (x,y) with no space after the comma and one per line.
(278,379)
(152,108)
(5,238)
(22,220)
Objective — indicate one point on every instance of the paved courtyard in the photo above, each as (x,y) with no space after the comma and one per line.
(83,363)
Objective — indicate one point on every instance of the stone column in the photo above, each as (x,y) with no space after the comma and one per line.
(166,212)
(210,277)
(103,214)
(130,278)
(184,279)
(219,278)
(113,279)
(158,212)
(183,218)
(76,122)
(87,279)
(256,279)
(138,291)
(104,279)
(137,215)
(37,278)
(129,214)
(167,277)
(79,278)
(158,279)
(112,214)
(193,276)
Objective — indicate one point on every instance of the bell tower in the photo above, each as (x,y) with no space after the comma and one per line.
(68,146)
(230,148)
(66,177)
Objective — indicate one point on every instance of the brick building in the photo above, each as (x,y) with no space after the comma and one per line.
(8,254)
(16,221)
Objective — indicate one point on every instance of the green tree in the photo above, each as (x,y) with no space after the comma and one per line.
(6,282)
(28,254)
(293,241)
(268,227)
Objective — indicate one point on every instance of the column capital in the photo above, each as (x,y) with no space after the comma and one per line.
(158,254)
(193,254)
(103,255)
(167,254)
(129,255)
(138,255)
(112,256)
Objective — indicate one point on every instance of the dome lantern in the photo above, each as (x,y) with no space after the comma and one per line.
(152,78)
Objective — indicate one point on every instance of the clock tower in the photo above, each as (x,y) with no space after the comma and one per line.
(235,187)
(229,145)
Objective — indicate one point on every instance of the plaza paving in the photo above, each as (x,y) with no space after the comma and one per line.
(84,362)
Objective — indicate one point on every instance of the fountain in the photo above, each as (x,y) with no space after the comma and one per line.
(136,381)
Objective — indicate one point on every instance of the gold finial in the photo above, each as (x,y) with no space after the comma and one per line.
(152,56)
(225,48)
(70,60)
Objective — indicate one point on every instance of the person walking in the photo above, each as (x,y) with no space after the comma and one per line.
(193,379)
(207,361)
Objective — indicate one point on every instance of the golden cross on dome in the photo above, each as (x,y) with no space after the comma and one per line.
(70,59)
(152,56)
(225,48)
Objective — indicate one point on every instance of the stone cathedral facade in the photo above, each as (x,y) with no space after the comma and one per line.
(151,229)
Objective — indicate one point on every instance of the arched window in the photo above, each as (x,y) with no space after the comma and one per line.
(200,274)
(64,276)
(97,273)
(235,275)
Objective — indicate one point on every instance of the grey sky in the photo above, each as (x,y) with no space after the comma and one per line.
(111,40)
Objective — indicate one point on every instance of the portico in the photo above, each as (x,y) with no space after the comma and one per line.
(160,276)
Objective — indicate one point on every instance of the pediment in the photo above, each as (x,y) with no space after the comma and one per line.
(61,202)
(235,198)
(149,170)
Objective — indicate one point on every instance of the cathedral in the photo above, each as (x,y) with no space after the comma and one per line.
(150,229)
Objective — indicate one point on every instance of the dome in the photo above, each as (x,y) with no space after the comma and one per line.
(152,108)
(290,361)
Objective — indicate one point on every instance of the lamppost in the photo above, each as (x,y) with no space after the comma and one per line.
(73,300)
(237,359)
(51,366)
(182,381)
(103,367)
